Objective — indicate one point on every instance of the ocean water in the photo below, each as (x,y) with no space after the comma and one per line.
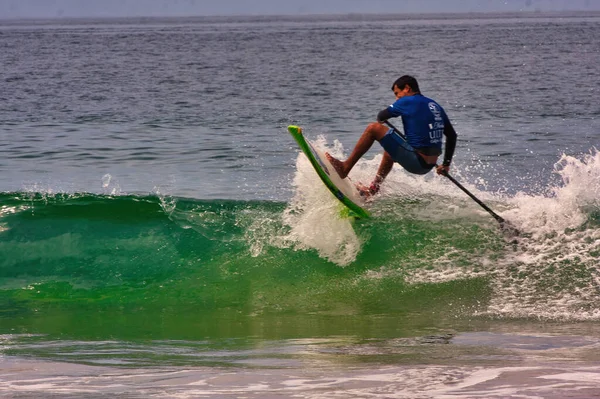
(161,235)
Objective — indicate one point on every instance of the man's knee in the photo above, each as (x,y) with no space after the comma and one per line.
(377,130)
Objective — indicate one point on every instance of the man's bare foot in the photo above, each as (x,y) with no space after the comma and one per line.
(337,165)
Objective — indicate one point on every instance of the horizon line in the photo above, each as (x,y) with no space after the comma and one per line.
(428,14)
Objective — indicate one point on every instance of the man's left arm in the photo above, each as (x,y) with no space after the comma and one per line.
(451,137)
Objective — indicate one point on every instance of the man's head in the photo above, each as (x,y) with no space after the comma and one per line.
(405,86)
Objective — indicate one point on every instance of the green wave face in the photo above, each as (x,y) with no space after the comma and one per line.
(148,267)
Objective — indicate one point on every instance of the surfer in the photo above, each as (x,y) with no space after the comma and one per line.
(424,122)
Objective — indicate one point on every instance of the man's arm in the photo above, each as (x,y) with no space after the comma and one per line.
(384,115)
(393,111)
(451,136)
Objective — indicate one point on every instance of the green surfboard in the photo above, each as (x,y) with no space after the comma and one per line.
(342,189)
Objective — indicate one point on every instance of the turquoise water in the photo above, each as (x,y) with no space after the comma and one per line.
(170,296)
(113,257)
(162,236)
(177,268)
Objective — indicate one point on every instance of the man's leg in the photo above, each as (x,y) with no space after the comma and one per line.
(385,167)
(374,131)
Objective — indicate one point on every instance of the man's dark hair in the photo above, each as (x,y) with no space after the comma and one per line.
(407,80)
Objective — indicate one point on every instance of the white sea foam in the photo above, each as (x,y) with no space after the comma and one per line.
(314,216)
(553,271)
(567,205)
(321,381)
(110,185)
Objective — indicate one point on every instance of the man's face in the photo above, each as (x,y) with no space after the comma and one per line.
(402,92)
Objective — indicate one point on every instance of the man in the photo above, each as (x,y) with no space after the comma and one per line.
(424,122)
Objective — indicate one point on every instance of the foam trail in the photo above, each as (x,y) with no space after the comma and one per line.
(554,274)
(313,215)
(567,205)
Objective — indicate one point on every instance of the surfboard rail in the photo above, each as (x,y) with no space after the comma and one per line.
(324,173)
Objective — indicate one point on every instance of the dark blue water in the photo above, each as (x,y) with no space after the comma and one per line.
(199,107)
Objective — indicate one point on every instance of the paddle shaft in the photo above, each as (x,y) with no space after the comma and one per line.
(499,218)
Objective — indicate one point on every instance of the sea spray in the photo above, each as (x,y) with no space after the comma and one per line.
(555,272)
(315,217)
(552,272)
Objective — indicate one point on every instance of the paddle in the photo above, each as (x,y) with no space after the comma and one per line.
(504,225)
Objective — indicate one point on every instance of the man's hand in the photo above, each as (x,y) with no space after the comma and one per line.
(442,170)
(367,192)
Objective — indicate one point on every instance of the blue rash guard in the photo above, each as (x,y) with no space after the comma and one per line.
(425,122)
(423,119)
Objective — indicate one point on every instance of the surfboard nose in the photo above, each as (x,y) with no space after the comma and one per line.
(293,129)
